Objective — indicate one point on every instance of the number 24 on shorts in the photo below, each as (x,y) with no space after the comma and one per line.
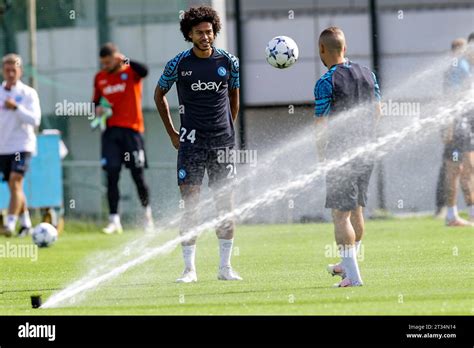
(191,135)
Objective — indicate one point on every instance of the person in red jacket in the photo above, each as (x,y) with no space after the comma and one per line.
(119,85)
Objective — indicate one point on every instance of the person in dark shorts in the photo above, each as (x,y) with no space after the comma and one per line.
(456,78)
(352,90)
(207,81)
(119,86)
(20,114)
(458,156)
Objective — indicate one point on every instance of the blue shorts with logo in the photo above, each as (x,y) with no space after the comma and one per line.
(193,162)
(18,163)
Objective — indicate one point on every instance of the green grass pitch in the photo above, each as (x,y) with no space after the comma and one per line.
(411,266)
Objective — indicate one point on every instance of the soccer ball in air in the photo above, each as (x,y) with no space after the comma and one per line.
(282,52)
(44,235)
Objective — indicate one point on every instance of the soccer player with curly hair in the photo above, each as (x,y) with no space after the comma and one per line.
(207,81)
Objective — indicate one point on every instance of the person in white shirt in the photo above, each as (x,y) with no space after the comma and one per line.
(20,114)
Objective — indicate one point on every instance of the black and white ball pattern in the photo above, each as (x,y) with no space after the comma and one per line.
(282,52)
(44,235)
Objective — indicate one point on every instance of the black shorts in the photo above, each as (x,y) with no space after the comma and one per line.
(123,146)
(453,152)
(193,162)
(347,186)
(463,140)
(17,163)
(460,144)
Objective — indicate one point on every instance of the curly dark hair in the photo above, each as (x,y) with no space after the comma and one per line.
(196,15)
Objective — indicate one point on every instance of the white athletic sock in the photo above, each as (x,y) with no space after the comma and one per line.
(471,211)
(357,246)
(225,248)
(349,262)
(11,222)
(452,213)
(115,219)
(148,213)
(25,220)
(189,256)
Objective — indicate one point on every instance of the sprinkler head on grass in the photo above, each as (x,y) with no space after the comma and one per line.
(36,301)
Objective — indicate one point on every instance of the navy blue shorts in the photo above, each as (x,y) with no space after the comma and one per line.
(194,162)
(123,146)
(463,140)
(17,163)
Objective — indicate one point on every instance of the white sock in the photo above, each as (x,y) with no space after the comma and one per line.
(357,246)
(11,222)
(452,213)
(189,255)
(115,219)
(25,220)
(148,213)
(225,248)
(349,262)
(471,211)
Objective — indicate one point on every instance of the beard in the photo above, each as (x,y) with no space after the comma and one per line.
(115,68)
(198,46)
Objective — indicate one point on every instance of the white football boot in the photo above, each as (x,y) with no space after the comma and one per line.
(113,227)
(227,273)
(189,276)
(347,283)
(336,270)
(458,222)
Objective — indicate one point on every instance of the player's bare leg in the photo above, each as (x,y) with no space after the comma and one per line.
(453,173)
(17,202)
(358,223)
(25,220)
(225,234)
(466,181)
(345,239)
(190,195)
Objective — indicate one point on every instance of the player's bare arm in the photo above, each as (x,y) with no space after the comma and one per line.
(234,97)
(320,127)
(165,114)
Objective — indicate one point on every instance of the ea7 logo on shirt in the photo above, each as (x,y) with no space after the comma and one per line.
(206,86)
(186,73)
(114,88)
